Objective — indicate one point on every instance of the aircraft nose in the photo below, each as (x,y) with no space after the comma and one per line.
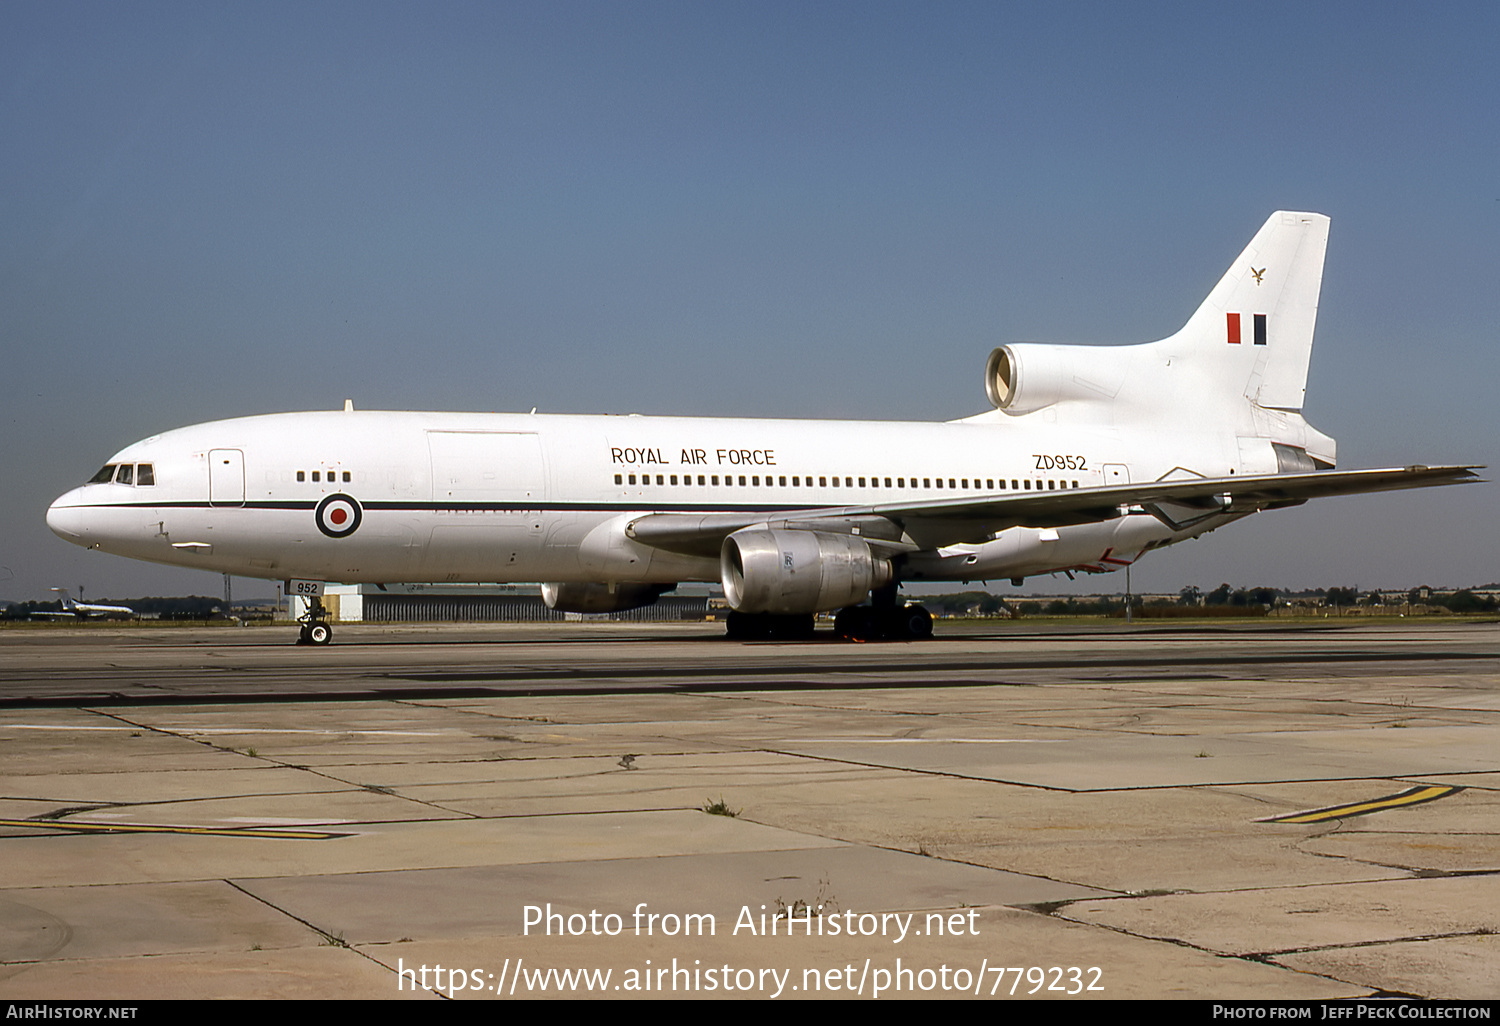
(66,519)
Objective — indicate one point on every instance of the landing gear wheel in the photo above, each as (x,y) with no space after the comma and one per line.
(794,627)
(870,623)
(858,623)
(769,626)
(747,627)
(915,622)
(315,627)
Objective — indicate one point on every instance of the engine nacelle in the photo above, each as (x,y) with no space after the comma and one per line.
(592,597)
(1027,376)
(790,571)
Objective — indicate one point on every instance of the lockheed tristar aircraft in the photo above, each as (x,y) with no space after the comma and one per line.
(1091,457)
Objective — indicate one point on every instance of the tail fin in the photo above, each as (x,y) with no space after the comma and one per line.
(1254,332)
(65,599)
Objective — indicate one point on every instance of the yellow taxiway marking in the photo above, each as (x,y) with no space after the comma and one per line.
(1413,796)
(146,828)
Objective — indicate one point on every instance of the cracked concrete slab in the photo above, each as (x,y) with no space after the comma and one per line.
(371,908)
(1042,799)
(1152,761)
(1269,920)
(835,967)
(135,858)
(1456,968)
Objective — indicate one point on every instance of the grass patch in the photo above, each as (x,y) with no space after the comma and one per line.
(721,808)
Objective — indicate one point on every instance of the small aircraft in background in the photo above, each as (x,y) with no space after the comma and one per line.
(84,610)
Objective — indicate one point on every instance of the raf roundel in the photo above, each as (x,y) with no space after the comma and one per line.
(339,515)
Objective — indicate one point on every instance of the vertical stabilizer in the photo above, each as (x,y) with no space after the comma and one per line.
(1254,332)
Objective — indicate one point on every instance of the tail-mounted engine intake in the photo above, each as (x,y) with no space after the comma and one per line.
(793,571)
(591,597)
(1027,376)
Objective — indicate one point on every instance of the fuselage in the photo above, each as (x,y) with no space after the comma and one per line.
(526,497)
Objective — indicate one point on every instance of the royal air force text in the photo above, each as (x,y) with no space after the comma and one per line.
(696,457)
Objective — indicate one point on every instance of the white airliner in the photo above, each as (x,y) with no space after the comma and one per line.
(83,610)
(1090,457)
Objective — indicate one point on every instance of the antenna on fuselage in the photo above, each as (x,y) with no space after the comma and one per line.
(348,405)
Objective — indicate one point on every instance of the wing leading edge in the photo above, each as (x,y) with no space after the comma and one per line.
(932,524)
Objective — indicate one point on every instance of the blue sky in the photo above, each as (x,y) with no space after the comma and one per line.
(780,209)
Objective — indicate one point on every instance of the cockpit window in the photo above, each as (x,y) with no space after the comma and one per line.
(145,474)
(106,474)
(126,473)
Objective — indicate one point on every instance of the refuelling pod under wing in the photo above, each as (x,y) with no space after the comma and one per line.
(793,571)
(593,597)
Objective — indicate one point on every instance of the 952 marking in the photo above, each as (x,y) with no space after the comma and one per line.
(1045,461)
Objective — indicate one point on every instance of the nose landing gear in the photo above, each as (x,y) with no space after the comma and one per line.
(316,630)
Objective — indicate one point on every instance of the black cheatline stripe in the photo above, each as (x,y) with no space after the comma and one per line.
(507,507)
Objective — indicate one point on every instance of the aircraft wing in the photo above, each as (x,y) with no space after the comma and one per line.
(933,523)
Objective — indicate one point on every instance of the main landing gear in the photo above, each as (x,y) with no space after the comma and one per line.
(872,623)
(769,627)
(884,619)
(316,630)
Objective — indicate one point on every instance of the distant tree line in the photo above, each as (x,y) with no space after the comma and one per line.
(1224,600)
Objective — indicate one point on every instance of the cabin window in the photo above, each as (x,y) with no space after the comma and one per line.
(940,482)
(1051,486)
(126,474)
(145,474)
(105,476)
(781,481)
(1027,484)
(347,477)
(619,479)
(674,478)
(887,482)
(301,475)
(661,479)
(1002,484)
